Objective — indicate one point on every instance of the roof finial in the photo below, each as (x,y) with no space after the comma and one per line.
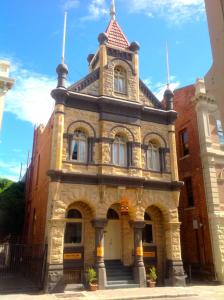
(167,66)
(112,10)
(64,36)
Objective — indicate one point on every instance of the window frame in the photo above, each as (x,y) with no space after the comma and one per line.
(189,196)
(72,221)
(120,75)
(152,146)
(183,144)
(118,144)
(78,139)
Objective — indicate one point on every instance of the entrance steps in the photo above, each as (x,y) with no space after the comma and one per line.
(119,276)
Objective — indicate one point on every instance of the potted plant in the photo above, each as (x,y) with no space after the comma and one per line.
(92,279)
(151,276)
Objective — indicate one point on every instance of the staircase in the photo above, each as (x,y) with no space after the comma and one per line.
(119,276)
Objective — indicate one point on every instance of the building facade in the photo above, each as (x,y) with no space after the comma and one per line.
(200,145)
(214,78)
(6,84)
(112,191)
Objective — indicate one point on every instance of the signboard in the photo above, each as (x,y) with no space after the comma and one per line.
(149,254)
(100,251)
(72,256)
(139,251)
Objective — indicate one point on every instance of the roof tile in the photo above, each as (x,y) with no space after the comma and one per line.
(116,36)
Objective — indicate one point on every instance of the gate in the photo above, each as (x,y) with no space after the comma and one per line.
(22,265)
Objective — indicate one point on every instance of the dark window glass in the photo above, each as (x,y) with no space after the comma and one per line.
(147,236)
(112,214)
(189,191)
(147,217)
(73,233)
(75,151)
(74,213)
(220,131)
(184,139)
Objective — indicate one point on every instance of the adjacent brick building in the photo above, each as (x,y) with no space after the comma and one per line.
(112,191)
(195,237)
(200,152)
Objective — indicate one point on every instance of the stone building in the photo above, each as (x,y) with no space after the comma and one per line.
(6,84)
(214,78)
(110,197)
(200,152)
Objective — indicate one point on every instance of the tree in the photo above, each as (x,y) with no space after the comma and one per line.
(12,203)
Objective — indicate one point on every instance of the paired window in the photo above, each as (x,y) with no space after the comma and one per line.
(73,230)
(119,151)
(153,157)
(189,191)
(184,141)
(120,80)
(79,146)
(147,234)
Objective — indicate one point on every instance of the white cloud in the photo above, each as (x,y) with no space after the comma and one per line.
(69,4)
(96,9)
(159,88)
(175,11)
(30,99)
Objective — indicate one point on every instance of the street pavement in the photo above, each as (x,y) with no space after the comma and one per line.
(197,292)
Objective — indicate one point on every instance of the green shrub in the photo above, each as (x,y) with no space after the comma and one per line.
(91,275)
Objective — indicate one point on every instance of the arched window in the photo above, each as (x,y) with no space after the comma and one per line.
(119,151)
(112,214)
(120,80)
(153,157)
(79,146)
(73,230)
(147,234)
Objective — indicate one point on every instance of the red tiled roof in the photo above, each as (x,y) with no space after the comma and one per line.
(116,36)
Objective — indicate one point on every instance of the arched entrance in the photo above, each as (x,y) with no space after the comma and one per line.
(153,239)
(112,237)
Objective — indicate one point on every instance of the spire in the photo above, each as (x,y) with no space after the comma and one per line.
(64,37)
(112,10)
(168,94)
(167,66)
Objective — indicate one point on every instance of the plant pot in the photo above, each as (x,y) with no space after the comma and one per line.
(93,286)
(152,283)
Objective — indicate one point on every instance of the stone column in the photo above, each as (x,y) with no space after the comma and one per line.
(139,268)
(175,270)
(173,153)
(99,225)
(55,275)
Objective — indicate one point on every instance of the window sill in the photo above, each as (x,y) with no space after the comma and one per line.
(73,162)
(189,208)
(73,245)
(185,156)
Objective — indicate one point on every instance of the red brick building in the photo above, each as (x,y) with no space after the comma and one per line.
(195,237)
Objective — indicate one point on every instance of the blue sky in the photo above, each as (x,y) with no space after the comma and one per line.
(31,38)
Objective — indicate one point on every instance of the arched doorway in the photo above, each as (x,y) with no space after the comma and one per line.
(112,240)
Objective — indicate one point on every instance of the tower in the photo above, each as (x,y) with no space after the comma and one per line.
(6,84)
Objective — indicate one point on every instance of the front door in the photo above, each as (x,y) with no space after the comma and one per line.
(112,240)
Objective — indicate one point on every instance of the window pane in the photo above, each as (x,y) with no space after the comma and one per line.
(122,154)
(82,150)
(115,154)
(74,150)
(73,233)
(147,234)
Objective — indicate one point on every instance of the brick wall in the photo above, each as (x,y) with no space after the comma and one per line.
(37,185)
(196,245)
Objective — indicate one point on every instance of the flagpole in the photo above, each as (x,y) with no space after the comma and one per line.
(64,37)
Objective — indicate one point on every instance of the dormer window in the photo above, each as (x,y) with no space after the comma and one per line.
(79,146)
(120,80)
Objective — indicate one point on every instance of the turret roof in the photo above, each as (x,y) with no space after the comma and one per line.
(115,35)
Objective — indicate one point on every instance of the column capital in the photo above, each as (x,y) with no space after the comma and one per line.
(137,224)
(99,223)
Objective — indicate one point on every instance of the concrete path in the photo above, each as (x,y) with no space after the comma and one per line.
(207,292)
